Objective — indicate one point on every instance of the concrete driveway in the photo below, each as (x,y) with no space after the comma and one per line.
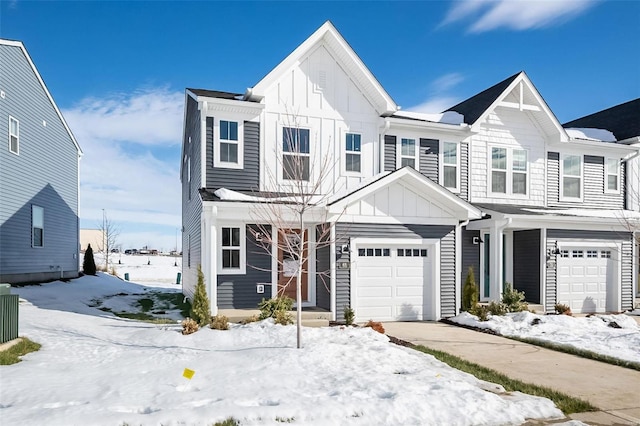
(614,390)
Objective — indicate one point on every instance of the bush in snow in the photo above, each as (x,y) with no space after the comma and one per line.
(270,307)
(513,300)
(481,311)
(88,263)
(349,315)
(252,318)
(562,309)
(282,318)
(375,325)
(201,309)
(469,291)
(497,308)
(219,322)
(189,326)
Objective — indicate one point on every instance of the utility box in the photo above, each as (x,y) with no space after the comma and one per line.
(8,314)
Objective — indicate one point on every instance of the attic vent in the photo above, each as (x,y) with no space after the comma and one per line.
(322,81)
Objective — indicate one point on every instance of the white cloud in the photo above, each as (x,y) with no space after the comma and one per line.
(515,14)
(440,97)
(435,104)
(131,162)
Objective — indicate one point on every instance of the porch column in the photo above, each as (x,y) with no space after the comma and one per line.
(496,278)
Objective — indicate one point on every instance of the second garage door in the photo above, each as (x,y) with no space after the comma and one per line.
(584,275)
(393,282)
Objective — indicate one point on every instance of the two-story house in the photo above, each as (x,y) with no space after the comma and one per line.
(411,200)
(39,176)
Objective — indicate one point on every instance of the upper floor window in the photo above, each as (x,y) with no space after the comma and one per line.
(232,250)
(571,175)
(37,226)
(509,171)
(450,165)
(353,145)
(408,152)
(228,145)
(14,135)
(295,153)
(612,175)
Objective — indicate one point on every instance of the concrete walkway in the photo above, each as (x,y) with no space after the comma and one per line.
(614,390)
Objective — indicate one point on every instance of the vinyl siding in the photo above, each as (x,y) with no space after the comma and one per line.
(526,263)
(239,291)
(45,173)
(464,171)
(626,278)
(191,202)
(247,178)
(470,255)
(594,196)
(428,158)
(323,279)
(389,153)
(446,234)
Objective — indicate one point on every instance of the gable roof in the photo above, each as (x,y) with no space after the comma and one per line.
(216,94)
(622,120)
(328,35)
(20,45)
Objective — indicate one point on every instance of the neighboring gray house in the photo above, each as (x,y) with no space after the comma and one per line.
(415,198)
(39,176)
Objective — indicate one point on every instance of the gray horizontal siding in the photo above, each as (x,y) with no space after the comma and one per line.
(526,263)
(428,158)
(446,234)
(239,291)
(593,184)
(323,269)
(470,255)
(246,179)
(45,173)
(389,153)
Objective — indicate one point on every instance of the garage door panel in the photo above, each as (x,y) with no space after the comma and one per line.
(582,281)
(409,312)
(407,271)
(404,291)
(381,291)
(369,271)
(379,313)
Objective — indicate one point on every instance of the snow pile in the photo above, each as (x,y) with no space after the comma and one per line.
(447,117)
(592,333)
(600,135)
(99,369)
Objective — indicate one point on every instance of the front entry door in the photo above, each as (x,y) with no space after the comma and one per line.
(288,250)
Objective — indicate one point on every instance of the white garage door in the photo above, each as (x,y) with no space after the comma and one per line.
(583,275)
(393,282)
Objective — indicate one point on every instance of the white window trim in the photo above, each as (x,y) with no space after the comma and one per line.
(243,250)
(561,178)
(399,155)
(345,152)
(442,165)
(217,162)
(508,173)
(17,135)
(607,174)
(291,183)
(33,206)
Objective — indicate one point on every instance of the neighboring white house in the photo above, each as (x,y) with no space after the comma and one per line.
(494,183)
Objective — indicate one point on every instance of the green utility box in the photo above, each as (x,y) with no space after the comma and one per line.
(8,314)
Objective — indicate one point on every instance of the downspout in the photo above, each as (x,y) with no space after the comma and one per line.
(459,227)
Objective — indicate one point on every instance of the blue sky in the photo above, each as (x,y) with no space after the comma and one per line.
(118,71)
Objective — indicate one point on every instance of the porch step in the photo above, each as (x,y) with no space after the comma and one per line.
(538,309)
(310,318)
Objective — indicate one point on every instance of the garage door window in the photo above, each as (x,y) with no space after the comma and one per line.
(412,252)
(606,254)
(374,252)
(577,253)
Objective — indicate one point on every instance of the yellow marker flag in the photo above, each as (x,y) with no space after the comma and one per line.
(188,373)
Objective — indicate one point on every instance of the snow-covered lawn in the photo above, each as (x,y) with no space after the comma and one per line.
(592,333)
(98,369)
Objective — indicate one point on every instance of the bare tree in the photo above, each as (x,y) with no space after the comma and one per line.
(110,233)
(291,207)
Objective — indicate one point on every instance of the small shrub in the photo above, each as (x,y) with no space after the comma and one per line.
(252,318)
(497,308)
(113,271)
(513,300)
(562,309)
(201,309)
(219,322)
(88,263)
(469,291)
(481,311)
(375,325)
(269,307)
(349,315)
(230,421)
(189,326)
(282,318)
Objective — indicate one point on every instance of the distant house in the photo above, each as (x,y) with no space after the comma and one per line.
(39,181)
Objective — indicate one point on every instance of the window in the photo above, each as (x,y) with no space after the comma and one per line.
(14,135)
(612,175)
(571,171)
(499,170)
(228,147)
(592,254)
(412,252)
(509,171)
(353,152)
(374,252)
(295,153)
(605,254)
(232,254)
(450,166)
(37,226)
(577,254)
(408,153)
(519,167)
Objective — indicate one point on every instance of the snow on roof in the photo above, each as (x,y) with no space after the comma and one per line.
(608,214)
(600,135)
(229,195)
(447,117)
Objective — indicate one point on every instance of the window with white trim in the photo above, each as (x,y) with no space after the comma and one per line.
(519,171)
(499,170)
(352,148)
(612,175)
(232,250)
(37,226)
(450,165)
(14,135)
(509,171)
(296,156)
(228,147)
(408,152)
(571,173)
